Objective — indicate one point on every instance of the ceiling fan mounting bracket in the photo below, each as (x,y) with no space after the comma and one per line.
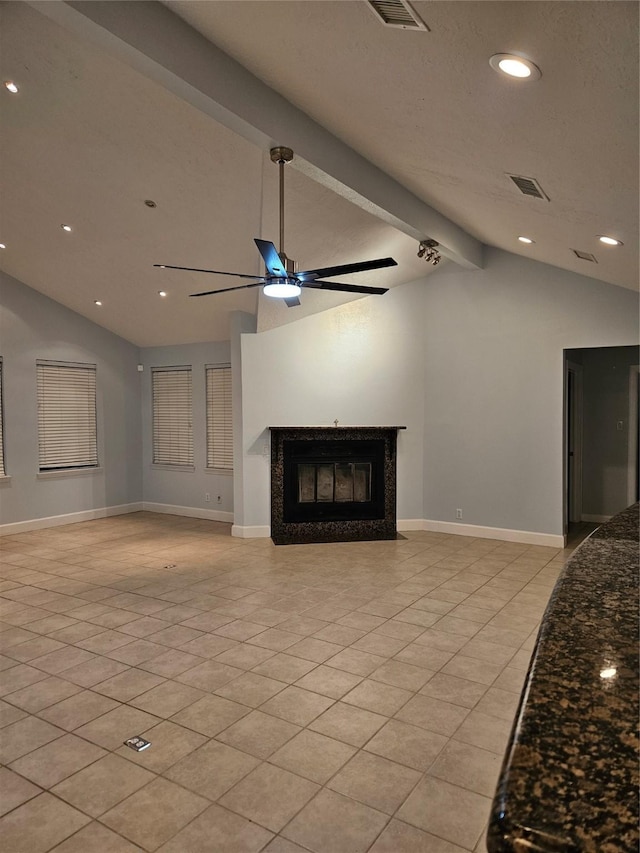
(281,155)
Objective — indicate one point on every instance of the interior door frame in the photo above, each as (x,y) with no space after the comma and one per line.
(632,452)
(573,484)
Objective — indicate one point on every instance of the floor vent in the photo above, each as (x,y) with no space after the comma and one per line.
(529,186)
(396,13)
(585,256)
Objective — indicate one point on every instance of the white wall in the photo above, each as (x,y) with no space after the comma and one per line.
(493,385)
(361,363)
(164,488)
(35,327)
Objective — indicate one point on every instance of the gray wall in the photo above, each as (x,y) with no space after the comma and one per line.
(35,327)
(177,487)
(493,384)
(605,377)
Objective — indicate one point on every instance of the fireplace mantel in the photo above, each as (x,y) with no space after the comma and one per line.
(368,512)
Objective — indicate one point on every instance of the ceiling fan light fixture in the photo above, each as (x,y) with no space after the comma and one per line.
(609,241)
(516,66)
(281,288)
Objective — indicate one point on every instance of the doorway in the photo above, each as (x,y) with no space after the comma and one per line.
(633,468)
(573,444)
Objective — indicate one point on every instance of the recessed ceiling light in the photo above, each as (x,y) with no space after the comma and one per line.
(526,240)
(610,241)
(2,246)
(162,293)
(515,66)
(66,227)
(150,202)
(11,86)
(97,302)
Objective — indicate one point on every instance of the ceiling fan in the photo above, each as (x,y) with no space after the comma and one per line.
(281,278)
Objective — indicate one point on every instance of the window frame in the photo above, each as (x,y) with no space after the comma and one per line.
(226,416)
(161,433)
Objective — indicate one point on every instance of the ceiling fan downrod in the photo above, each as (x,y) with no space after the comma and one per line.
(282,156)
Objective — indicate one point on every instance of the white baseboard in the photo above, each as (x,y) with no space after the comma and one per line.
(190,511)
(410,524)
(68,518)
(595,519)
(505,534)
(256,531)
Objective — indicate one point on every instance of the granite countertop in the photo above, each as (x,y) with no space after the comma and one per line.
(569,780)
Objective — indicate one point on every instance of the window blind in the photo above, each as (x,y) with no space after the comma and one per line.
(67,432)
(2,468)
(219,418)
(172,407)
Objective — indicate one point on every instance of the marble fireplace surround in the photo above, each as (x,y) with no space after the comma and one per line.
(383,526)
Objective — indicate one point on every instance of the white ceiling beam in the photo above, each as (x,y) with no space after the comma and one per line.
(152,39)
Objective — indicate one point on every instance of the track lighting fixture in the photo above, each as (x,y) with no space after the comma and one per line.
(427,250)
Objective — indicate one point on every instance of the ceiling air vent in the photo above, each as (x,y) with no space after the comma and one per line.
(585,256)
(396,13)
(529,186)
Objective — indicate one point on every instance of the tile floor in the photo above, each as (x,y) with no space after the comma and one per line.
(330,698)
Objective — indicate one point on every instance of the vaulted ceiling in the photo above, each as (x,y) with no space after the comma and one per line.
(398,136)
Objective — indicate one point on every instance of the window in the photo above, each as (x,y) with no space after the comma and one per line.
(219,418)
(2,468)
(172,404)
(67,433)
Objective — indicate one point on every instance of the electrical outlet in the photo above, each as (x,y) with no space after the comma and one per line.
(620,426)
(207,497)
(458,513)
(219,499)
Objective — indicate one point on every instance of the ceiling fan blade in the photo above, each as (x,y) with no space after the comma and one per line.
(292,301)
(229,289)
(271,258)
(345,269)
(215,272)
(346,288)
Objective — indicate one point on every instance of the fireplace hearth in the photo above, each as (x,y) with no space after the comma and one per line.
(333,484)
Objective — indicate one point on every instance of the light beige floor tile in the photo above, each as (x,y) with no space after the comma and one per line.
(210,715)
(468,767)
(410,745)
(251,689)
(39,824)
(362,621)
(144,627)
(485,731)
(154,814)
(433,714)
(356,662)
(281,845)
(105,642)
(104,783)
(218,829)
(284,667)
(415,616)
(375,781)
(113,728)
(18,677)
(137,652)
(377,697)
(332,823)
(171,664)
(446,811)
(275,639)
(314,650)
(403,675)
(340,634)
(399,837)
(24,652)
(167,698)
(269,796)
(313,756)
(399,630)
(175,635)
(209,675)
(243,656)
(474,670)
(207,621)
(297,705)
(94,671)
(328,681)
(53,762)
(169,743)
(56,662)
(511,680)
(450,688)
(499,703)
(95,838)
(9,714)
(78,710)
(43,693)
(14,790)
(24,736)
(443,640)
(239,629)
(304,625)
(348,723)
(212,769)
(128,684)
(259,734)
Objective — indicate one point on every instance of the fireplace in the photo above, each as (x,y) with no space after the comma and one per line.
(333,484)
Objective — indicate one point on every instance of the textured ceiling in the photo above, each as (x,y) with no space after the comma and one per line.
(88,139)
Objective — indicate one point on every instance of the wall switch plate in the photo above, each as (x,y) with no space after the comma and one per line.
(458,513)
(620,426)
(207,497)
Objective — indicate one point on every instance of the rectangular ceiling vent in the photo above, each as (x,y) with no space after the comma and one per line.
(396,13)
(529,186)
(585,256)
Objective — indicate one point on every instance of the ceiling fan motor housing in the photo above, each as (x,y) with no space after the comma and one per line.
(281,155)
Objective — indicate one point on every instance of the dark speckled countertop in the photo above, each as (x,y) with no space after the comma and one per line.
(569,781)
